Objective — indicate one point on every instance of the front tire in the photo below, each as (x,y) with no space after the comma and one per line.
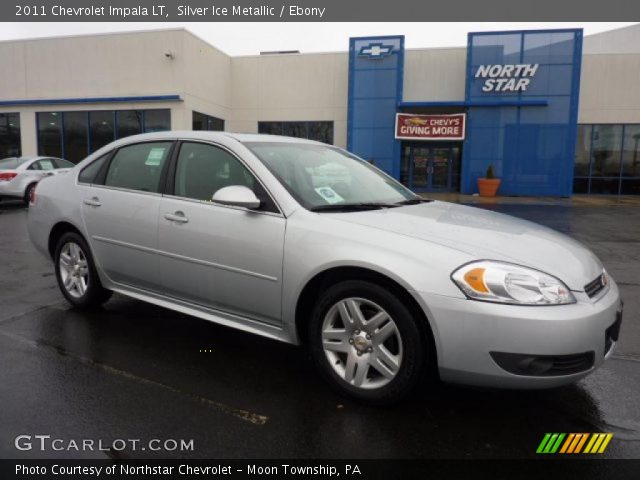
(366,343)
(76,273)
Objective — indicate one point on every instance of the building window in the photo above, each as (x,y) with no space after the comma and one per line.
(128,122)
(607,159)
(101,129)
(207,122)
(319,131)
(49,134)
(10,135)
(74,135)
(156,120)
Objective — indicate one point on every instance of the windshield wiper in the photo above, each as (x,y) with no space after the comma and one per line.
(342,207)
(414,201)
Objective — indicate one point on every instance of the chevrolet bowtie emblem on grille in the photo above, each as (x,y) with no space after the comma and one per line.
(376,50)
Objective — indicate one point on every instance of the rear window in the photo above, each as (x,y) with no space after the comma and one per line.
(7,163)
(138,167)
(88,173)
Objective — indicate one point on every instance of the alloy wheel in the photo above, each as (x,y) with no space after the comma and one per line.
(362,343)
(74,269)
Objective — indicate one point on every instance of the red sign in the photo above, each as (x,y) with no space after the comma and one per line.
(430,127)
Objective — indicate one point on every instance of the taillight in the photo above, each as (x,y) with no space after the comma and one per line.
(6,176)
(32,195)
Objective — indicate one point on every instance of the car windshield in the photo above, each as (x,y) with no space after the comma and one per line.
(327,178)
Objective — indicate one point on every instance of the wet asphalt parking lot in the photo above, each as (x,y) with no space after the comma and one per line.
(136,371)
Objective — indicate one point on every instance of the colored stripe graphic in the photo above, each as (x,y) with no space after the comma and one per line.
(574,443)
(550,443)
(598,443)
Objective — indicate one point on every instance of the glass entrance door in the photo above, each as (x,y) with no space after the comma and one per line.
(431,168)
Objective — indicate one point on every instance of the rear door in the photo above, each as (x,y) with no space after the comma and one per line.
(222,257)
(120,211)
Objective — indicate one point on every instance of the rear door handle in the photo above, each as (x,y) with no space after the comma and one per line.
(92,202)
(177,217)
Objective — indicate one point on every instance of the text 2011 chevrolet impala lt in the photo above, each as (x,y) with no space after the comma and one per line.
(305,243)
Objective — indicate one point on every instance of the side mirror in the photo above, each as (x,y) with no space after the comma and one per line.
(236,196)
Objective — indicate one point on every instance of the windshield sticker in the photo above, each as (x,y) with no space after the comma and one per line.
(329,195)
(155,157)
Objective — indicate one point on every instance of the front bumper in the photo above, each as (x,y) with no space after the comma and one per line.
(469,333)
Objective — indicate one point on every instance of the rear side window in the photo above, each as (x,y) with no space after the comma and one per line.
(88,173)
(138,167)
(46,164)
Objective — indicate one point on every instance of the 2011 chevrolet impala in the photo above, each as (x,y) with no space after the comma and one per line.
(306,243)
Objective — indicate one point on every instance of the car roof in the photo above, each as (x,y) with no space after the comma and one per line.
(207,135)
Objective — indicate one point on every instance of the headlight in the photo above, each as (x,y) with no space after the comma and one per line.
(500,282)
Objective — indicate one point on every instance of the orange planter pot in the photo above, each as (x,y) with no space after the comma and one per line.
(488,187)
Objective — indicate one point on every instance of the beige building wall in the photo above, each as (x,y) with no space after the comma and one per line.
(92,66)
(609,90)
(206,79)
(436,75)
(246,90)
(164,62)
(309,87)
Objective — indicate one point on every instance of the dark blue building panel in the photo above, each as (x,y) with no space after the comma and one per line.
(375,89)
(530,144)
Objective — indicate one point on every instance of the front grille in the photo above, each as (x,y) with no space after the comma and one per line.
(594,287)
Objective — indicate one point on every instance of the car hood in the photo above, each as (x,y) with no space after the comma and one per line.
(487,235)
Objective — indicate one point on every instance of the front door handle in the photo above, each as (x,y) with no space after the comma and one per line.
(177,217)
(92,202)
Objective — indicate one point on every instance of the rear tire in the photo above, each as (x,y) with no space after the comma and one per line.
(76,273)
(366,343)
(27,193)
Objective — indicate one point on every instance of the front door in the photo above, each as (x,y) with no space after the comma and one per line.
(220,257)
(431,168)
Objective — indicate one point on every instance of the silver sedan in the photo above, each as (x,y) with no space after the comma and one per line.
(305,243)
(20,175)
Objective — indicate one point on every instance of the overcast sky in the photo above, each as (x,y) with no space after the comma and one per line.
(251,38)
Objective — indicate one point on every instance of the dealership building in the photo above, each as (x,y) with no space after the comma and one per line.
(553,112)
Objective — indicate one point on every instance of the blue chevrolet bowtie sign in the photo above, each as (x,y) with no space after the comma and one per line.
(375,50)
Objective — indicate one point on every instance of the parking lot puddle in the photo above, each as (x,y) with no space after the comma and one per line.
(242,414)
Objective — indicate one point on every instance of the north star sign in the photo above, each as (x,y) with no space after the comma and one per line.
(507,78)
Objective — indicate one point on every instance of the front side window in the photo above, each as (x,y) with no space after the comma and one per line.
(203,169)
(138,167)
(318,175)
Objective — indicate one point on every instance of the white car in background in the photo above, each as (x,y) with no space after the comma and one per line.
(19,176)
